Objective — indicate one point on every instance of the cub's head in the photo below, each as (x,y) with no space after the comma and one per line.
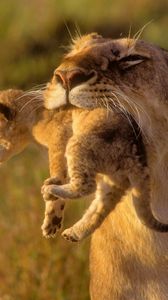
(125,73)
(14,132)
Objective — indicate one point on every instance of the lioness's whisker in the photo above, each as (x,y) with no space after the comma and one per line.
(129,102)
(140,106)
(39,85)
(36,88)
(140,31)
(78,32)
(133,107)
(107,104)
(122,109)
(29,93)
(30,101)
(104,103)
(136,109)
(35,108)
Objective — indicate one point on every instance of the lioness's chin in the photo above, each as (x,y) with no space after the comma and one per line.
(80,96)
(81,104)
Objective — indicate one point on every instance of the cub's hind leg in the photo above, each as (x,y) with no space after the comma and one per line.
(54,213)
(106,198)
(54,207)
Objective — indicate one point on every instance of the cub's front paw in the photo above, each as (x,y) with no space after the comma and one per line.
(53,218)
(49,182)
(54,192)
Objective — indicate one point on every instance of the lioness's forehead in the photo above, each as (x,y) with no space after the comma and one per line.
(92,48)
(86,41)
(95,42)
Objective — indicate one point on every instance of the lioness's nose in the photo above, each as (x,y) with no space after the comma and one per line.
(73,78)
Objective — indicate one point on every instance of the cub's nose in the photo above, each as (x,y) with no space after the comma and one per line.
(73,78)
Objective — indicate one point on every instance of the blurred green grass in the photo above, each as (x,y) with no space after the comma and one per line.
(33,35)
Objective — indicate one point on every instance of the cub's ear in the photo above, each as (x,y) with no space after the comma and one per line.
(6,112)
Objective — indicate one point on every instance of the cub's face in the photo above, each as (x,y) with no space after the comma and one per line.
(122,73)
(14,135)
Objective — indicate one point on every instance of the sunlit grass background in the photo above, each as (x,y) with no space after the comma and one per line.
(33,35)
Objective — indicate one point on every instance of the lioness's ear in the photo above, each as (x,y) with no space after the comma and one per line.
(6,112)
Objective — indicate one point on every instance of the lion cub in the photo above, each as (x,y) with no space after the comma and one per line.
(104,144)
(23,120)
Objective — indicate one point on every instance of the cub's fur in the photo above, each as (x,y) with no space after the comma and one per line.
(23,121)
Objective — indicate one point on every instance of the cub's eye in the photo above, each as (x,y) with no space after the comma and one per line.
(6,112)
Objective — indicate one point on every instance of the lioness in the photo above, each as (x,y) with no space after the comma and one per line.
(127,260)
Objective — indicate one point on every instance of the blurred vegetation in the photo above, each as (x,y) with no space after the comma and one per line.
(33,35)
(32,267)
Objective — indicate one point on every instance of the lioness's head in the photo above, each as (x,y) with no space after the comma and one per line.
(124,73)
(14,132)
